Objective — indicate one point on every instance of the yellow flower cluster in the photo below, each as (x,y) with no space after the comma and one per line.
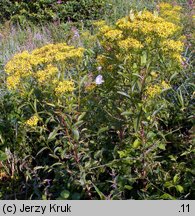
(171,45)
(154,74)
(172,49)
(130,43)
(13,82)
(46,74)
(153,90)
(113,34)
(148,23)
(32,121)
(99,23)
(42,66)
(20,65)
(170,13)
(165,85)
(177,57)
(105,28)
(55,52)
(148,16)
(101,59)
(64,86)
(141,32)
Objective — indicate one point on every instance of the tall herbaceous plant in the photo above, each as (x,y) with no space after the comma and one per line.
(140,58)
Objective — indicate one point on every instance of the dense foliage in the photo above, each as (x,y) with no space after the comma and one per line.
(40,11)
(108,115)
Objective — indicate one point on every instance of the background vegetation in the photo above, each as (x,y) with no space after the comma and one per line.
(93,109)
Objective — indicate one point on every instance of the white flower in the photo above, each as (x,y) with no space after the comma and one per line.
(99,68)
(99,80)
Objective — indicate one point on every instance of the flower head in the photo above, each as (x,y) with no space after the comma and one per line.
(99,80)
(32,121)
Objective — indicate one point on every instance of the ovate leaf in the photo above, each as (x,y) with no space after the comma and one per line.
(136,143)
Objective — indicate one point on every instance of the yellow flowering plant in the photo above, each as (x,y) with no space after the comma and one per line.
(139,56)
(139,44)
(47,82)
(48,67)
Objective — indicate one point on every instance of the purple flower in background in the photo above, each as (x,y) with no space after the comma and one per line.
(99,80)
(59,2)
(38,36)
(75,32)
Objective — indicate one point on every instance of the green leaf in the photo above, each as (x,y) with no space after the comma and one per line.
(128,187)
(167,197)
(173,157)
(122,154)
(151,135)
(126,113)
(168,184)
(101,195)
(176,179)
(43,149)
(180,98)
(3,156)
(81,116)
(53,134)
(78,123)
(35,105)
(123,93)
(65,194)
(173,76)
(136,143)
(161,146)
(2,140)
(136,121)
(76,134)
(50,104)
(157,111)
(44,197)
(143,59)
(179,188)
(101,130)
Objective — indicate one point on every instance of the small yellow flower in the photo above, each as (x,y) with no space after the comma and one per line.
(113,35)
(165,6)
(42,65)
(32,122)
(154,74)
(46,74)
(99,23)
(130,43)
(165,85)
(13,82)
(171,45)
(101,59)
(152,91)
(64,86)
(110,67)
